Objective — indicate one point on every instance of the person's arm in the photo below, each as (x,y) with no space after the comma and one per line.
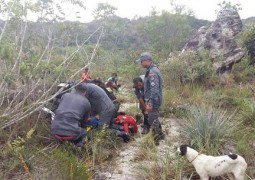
(84,122)
(83,77)
(86,117)
(125,127)
(139,96)
(109,84)
(89,76)
(133,123)
(142,103)
(154,88)
(115,87)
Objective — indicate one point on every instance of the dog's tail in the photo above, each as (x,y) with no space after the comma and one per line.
(238,159)
(232,156)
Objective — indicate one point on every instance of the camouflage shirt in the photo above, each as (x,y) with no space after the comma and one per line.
(153,86)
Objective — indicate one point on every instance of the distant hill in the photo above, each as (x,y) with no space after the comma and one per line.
(249,20)
(122,33)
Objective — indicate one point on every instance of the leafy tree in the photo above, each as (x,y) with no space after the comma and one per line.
(80,3)
(153,11)
(228,5)
(181,9)
(248,41)
(164,33)
(104,10)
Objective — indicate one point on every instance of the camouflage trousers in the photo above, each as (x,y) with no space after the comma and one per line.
(153,119)
(155,125)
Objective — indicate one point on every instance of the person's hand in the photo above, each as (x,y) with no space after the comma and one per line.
(148,108)
(89,119)
(125,137)
(122,120)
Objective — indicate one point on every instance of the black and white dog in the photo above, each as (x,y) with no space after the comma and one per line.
(211,166)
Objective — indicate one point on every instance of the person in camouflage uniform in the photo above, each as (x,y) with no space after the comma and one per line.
(152,94)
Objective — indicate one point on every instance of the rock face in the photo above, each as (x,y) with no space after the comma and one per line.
(219,39)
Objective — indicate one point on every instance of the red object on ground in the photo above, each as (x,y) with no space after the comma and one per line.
(126,121)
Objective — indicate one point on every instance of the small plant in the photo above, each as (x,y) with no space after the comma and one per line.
(25,166)
(147,150)
(244,138)
(164,166)
(153,167)
(248,112)
(171,102)
(16,145)
(244,71)
(207,127)
(68,165)
(103,145)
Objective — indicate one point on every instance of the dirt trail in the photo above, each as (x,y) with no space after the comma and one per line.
(126,164)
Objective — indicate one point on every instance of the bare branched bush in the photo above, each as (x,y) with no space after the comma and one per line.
(29,79)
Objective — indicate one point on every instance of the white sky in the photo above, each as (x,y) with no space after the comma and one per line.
(203,9)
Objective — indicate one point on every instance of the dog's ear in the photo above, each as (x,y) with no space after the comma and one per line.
(183,149)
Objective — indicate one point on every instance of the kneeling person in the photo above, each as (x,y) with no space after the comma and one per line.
(71,116)
(100,103)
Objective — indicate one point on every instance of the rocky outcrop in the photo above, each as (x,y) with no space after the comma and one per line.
(219,39)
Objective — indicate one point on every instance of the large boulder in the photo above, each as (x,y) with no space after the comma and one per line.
(219,39)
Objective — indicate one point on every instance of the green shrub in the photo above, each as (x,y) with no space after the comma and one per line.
(188,67)
(171,101)
(147,149)
(248,41)
(207,127)
(243,71)
(103,145)
(69,165)
(247,112)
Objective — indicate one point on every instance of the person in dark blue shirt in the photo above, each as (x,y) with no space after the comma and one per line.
(152,94)
(138,85)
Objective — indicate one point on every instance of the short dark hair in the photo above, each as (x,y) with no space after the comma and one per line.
(114,74)
(137,79)
(80,88)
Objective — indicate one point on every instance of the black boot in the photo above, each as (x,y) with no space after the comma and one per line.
(145,130)
(157,135)
(161,135)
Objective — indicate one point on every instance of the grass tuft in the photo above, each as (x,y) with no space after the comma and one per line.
(207,127)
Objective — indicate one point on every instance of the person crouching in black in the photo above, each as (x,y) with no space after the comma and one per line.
(71,116)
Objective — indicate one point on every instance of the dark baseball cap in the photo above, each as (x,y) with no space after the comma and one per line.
(144,56)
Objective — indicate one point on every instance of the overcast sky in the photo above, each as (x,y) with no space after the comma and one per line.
(203,9)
